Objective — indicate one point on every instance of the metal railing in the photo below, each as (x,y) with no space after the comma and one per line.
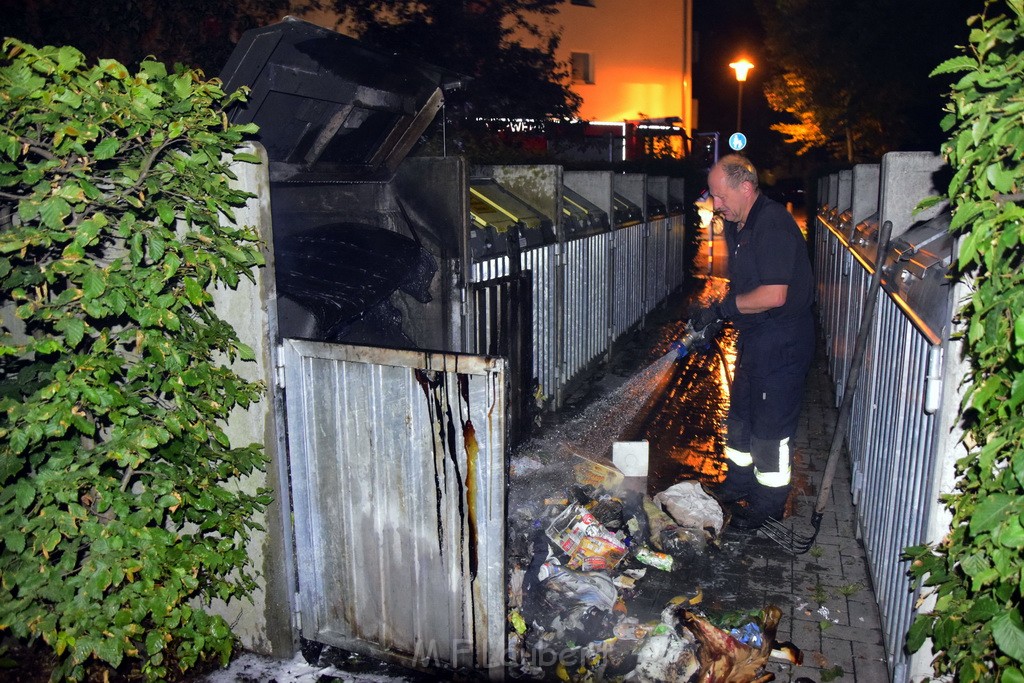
(898,436)
(588,292)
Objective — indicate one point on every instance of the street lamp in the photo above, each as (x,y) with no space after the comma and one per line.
(742,66)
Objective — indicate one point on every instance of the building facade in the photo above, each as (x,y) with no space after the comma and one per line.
(630,59)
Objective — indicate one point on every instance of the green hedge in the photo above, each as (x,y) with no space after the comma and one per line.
(119,510)
(976,572)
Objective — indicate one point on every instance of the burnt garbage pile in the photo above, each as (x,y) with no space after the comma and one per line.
(584,544)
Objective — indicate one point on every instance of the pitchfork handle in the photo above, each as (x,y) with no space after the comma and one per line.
(846,408)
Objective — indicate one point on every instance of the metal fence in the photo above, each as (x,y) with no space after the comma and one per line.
(504,310)
(609,282)
(903,413)
(587,302)
(630,258)
(656,262)
(675,252)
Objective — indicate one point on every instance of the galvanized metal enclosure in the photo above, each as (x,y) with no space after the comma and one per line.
(617,253)
(904,410)
(398,481)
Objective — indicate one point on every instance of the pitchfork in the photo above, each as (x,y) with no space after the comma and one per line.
(797,543)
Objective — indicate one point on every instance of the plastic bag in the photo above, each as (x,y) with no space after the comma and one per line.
(692,507)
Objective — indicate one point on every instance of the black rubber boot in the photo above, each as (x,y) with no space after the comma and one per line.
(774,500)
(766,502)
(739,484)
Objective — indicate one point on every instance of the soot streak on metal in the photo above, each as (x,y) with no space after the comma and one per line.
(448,434)
(424,382)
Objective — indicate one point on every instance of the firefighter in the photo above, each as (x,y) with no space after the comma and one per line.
(769,303)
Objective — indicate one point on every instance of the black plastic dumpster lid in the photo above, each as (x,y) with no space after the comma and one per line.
(675,205)
(492,205)
(497,216)
(626,212)
(581,216)
(328,105)
(655,207)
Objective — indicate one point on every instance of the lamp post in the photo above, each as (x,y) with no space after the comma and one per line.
(741,66)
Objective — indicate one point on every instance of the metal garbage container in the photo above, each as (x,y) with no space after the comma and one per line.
(337,119)
(394,478)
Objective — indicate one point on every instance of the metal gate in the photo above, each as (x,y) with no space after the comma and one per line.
(398,478)
(504,323)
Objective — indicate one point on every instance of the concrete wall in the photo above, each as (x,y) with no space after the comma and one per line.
(265,624)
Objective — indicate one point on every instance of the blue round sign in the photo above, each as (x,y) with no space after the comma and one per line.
(737,141)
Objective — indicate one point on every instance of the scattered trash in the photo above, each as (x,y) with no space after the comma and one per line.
(581,603)
(630,628)
(724,658)
(631,457)
(589,545)
(517,622)
(624,582)
(748,634)
(670,538)
(592,473)
(654,559)
(666,656)
(580,552)
(694,597)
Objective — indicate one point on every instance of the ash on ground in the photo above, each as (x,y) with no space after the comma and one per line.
(605,579)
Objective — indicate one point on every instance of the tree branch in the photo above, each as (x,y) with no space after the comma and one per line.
(150,160)
(1009,198)
(38,147)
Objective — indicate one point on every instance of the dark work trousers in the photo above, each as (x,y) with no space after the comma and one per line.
(772,362)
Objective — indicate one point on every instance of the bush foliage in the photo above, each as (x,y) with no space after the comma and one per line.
(120,517)
(975,574)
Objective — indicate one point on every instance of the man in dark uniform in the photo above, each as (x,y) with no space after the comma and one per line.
(769,299)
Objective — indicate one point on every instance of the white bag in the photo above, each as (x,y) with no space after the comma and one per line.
(692,507)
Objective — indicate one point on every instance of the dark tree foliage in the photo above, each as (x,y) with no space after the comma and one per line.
(853,74)
(504,48)
(197,33)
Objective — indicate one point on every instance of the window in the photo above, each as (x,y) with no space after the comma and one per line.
(582,67)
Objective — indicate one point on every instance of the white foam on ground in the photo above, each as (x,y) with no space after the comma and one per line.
(257,668)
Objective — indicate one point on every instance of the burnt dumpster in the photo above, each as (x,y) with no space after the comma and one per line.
(396,437)
(903,428)
(419,308)
(337,120)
